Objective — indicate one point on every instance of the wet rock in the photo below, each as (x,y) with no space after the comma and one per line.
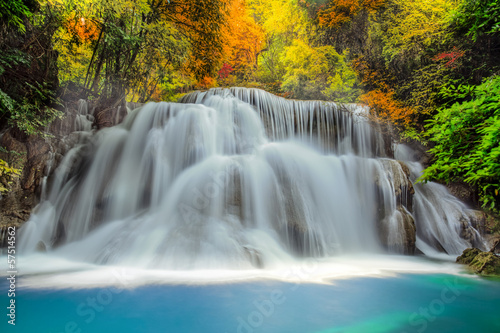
(253,256)
(109,116)
(483,263)
(468,256)
(292,220)
(398,174)
(473,226)
(134,105)
(478,220)
(10,141)
(233,193)
(398,232)
(15,208)
(419,153)
(39,157)
(464,192)
(395,192)
(41,247)
(495,245)
(14,211)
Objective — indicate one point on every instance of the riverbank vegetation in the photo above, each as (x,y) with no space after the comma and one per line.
(429,68)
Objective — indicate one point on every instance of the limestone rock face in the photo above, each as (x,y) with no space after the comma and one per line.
(484,263)
(495,245)
(471,224)
(398,232)
(398,174)
(464,192)
(107,117)
(295,231)
(15,206)
(15,209)
(397,229)
(39,157)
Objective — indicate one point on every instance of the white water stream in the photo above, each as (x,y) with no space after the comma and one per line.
(240,179)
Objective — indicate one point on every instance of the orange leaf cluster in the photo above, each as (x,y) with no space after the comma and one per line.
(386,107)
(203,23)
(370,77)
(381,98)
(340,12)
(86,30)
(206,82)
(243,38)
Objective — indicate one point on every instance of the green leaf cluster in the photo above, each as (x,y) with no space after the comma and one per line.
(29,111)
(13,12)
(467,137)
(476,17)
(28,75)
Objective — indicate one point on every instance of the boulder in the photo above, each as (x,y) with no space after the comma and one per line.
(483,263)
(477,220)
(398,232)
(495,244)
(464,192)
(472,227)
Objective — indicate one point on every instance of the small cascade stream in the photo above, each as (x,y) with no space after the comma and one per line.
(239,178)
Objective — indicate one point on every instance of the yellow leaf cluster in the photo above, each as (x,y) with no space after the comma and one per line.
(7,173)
(280,17)
(413,25)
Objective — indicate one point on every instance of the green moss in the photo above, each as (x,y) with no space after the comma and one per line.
(484,263)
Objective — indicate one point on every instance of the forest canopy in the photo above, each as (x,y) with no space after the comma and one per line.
(428,68)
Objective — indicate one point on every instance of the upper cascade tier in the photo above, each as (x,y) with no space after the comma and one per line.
(334,128)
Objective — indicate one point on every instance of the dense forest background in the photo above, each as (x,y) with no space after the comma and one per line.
(429,68)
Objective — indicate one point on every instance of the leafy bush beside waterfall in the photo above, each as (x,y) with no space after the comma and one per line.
(467,137)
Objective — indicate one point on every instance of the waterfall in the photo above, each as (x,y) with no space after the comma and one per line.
(444,222)
(238,178)
(84,118)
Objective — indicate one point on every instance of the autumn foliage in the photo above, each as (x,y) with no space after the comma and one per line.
(243,38)
(451,56)
(385,106)
(207,82)
(225,71)
(381,97)
(84,29)
(342,11)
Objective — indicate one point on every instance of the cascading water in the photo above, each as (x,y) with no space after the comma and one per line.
(84,118)
(444,222)
(237,178)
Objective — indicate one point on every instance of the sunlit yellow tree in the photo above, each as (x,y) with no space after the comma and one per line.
(318,73)
(243,40)
(411,26)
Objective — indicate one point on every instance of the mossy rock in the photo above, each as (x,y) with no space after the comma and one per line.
(468,256)
(484,263)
